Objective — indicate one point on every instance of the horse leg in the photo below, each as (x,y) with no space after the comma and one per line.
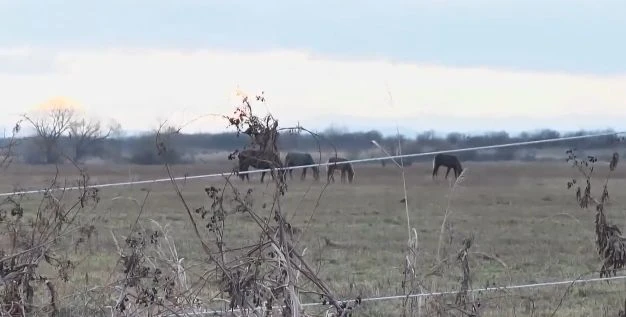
(262,176)
(246,175)
(448,172)
(303,174)
(243,176)
(435,170)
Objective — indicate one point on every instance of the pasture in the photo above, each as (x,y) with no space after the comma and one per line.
(526,227)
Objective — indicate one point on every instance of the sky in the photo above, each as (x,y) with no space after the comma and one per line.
(445,65)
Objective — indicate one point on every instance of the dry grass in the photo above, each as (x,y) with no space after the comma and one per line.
(357,235)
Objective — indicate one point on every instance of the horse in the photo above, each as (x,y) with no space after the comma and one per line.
(259,160)
(449,161)
(345,168)
(301,159)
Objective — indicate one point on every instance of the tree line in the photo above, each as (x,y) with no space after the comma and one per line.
(62,135)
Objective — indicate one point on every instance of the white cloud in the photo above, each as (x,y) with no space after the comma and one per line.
(25,60)
(138,87)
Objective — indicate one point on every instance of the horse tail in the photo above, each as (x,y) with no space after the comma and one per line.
(288,159)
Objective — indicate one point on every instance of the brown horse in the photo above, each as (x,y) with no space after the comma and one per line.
(346,168)
(259,160)
(449,161)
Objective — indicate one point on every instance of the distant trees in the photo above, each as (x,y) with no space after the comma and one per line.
(146,151)
(454,138)
(85,135)
(59,122)
(62,131)
(50,125)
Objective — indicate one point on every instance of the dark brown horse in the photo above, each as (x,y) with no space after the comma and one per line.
(449,161)
(259,160)
(346,168)
(301,159)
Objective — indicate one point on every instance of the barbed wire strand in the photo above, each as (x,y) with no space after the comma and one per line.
(431,294)
(223,174)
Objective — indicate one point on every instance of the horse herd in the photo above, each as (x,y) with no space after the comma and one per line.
(270,160)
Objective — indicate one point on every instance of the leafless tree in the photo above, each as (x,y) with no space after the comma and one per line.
(50,127)
(85,134)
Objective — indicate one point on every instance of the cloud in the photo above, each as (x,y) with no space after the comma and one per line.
(539,35)
(138,87)
(23,60)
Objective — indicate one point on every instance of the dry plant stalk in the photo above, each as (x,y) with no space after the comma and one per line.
(154,280)
(462,299)
(464,304)
(444,223)
(610,244)
(8,146)
(256,279)
(410,281)
(414,281)
(36,239)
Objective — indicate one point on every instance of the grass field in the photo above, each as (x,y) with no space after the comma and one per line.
(526,226)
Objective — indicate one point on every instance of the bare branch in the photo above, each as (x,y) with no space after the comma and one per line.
(50,126)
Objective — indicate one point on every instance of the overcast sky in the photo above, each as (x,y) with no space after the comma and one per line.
(448,65)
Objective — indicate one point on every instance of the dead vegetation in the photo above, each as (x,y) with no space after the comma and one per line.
(7,148)
(267,276)
(36,251)
(610,244)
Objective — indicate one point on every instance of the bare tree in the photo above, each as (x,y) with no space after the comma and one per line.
(50,127)
(85,134)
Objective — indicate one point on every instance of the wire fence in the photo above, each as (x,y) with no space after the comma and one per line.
(440,293)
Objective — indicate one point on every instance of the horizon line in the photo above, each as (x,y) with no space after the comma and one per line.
(345,131)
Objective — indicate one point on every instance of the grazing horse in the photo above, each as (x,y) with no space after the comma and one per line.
(345,168)
(259,160)
(449,161)
(301,159)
